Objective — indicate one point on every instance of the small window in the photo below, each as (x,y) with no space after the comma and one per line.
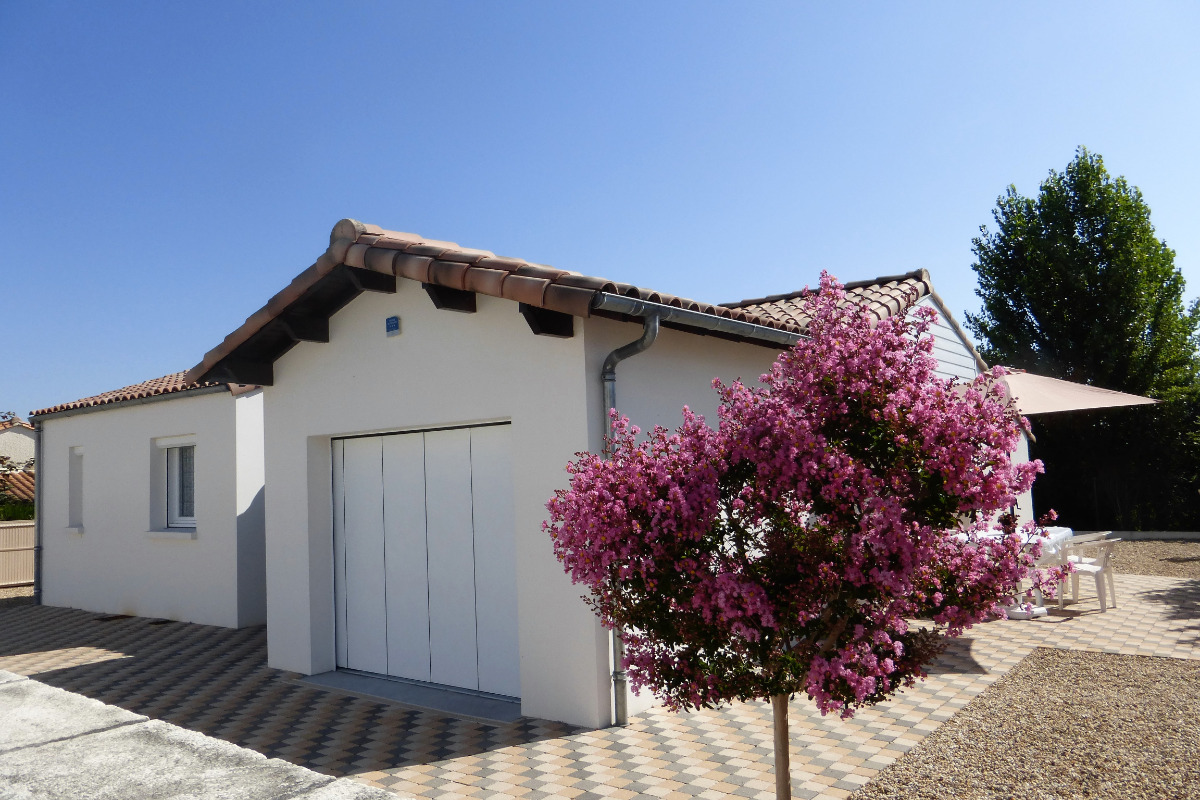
(75,488)
(181,487)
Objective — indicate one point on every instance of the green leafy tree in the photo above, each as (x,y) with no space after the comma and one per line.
(1076,284)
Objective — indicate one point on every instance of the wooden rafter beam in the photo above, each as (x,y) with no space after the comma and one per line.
(306,328)
(368,280)
(450,299)
(544,322)
(243,370)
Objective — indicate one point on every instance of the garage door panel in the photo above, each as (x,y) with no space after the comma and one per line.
(407,577)
(495,560)
(339,550)
(452,652)
(366,613)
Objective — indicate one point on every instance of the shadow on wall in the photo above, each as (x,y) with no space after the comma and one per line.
(215,681)
(252,562)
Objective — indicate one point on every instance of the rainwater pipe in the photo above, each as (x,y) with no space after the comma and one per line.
(608,377)
(652,315)
(38,524)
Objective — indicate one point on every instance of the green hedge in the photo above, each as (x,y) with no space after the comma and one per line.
(19,509)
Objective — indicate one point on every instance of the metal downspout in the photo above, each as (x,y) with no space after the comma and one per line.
(37,514)
(608,379)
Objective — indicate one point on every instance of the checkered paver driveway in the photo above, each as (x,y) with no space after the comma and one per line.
(216,681)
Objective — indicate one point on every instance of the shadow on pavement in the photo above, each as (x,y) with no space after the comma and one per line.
(215,681)
(1184,604)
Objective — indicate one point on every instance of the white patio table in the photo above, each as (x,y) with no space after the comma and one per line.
(1053,546)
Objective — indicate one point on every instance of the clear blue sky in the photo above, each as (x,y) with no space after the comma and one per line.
(166,167)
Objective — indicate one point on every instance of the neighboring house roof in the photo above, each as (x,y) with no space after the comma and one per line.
(168,384)
(881,297)
(368,258)
(19,484)
(15,422)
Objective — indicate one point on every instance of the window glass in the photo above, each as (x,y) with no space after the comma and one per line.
(181,486)
(187,481)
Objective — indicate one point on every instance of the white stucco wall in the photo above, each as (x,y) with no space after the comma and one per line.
(251,509)
(445,368)
(123,560)
(678,370)
(18,443)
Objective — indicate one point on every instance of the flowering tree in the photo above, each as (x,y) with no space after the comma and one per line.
(789,549)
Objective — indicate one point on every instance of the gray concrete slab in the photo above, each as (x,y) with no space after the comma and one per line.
(150,761)
(56,744)
(346,789)
(32,713)
(6,677)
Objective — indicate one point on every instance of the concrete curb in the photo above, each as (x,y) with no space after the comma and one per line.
(54,743)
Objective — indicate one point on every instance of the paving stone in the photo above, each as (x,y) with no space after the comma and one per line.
(216,681)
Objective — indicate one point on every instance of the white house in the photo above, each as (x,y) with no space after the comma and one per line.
(17,441)
(420,402)
(150,502)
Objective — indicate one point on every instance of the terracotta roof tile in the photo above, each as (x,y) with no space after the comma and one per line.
(19,484)
(881,297)
(15,422)
(409,256)
(168,384)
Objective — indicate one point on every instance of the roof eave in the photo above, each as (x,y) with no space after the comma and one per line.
(133,401)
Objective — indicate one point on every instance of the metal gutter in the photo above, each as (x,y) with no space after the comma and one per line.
(619,304)
(136,401)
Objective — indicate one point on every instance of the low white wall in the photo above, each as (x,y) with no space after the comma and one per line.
(121,561)
(445,368)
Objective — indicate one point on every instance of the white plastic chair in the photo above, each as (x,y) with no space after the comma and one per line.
(1099,566)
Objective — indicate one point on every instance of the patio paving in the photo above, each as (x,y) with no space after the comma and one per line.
(215,681)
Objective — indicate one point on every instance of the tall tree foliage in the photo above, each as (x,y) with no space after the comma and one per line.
(1076,284)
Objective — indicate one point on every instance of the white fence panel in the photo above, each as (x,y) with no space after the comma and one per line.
(16,553)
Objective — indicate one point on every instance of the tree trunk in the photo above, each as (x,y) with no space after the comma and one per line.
(783,766)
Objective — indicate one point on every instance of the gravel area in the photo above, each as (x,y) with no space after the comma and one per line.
(1063,724)
(1177,559)
(16,596)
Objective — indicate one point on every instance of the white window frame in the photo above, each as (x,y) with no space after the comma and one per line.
(171,447)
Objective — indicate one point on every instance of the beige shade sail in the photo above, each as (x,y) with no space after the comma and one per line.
(1037,394)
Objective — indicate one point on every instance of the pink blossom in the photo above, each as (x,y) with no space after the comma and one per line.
(790,547)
